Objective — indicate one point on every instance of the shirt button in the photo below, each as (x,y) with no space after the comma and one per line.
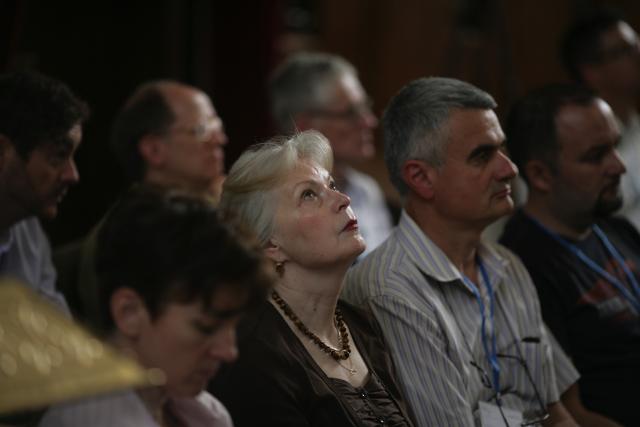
(364,394)
(381,420)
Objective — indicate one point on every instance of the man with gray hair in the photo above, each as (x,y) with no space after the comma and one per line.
(322,92)
(460,314)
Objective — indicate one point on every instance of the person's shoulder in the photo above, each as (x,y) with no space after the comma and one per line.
(28,228)
(516,230)
(621,225)
(265,340)
(361,321)
(380,268)
(214,412)
(527,241)
(120,408)
(258,324)
(355,313)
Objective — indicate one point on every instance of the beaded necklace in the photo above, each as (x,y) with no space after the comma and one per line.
(342,354)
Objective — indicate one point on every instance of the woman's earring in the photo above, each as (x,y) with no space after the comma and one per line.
(280,268)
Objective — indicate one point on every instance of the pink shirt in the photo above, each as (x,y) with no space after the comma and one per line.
(126,409)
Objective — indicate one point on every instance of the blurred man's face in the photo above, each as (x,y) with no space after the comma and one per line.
(346,120)
(36,185)
(586,183)
(194,155)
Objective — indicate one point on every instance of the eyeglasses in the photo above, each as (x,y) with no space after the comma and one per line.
(536,419)
(351,113)
(201,132)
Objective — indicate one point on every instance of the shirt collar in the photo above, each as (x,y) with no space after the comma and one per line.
(433,262)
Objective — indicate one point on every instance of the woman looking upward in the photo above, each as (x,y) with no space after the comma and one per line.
(306,358)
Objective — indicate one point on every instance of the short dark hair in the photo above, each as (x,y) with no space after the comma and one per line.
(531,128)
(581,44)
(147,111)
(36,110)
(169,246)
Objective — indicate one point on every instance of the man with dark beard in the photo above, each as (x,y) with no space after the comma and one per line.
(584,262)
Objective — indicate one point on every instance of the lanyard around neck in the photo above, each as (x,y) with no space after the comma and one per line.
(579,253)
(490,348)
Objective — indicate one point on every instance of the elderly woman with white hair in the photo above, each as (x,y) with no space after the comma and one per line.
(306,358)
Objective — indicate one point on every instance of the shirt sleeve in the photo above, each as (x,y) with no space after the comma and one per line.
(566,373)
(432,383)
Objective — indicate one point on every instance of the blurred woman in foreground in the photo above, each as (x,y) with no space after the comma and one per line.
(174,281)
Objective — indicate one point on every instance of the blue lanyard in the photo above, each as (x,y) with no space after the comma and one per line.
(633,299)
(491,353)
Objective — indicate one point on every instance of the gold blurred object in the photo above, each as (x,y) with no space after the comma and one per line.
(45,358)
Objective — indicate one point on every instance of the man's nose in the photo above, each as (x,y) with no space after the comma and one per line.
(507,169)
(616,166)
(70,172)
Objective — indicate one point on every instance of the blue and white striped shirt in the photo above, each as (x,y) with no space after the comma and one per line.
(431,322)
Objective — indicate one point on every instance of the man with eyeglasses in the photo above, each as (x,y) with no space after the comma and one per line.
(459,313)
(322,92)
(602,51)
(584,262)
(167,134)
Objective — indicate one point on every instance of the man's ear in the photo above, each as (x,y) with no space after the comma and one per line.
(153,150)
(129,312)
(539,176)
(420,177)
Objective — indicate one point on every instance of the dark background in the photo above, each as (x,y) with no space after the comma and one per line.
(104,49)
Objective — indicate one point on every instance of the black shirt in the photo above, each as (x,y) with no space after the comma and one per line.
(595,324)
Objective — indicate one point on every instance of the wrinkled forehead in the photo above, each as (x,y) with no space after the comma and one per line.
(467,127)
(303,170)
(188,102)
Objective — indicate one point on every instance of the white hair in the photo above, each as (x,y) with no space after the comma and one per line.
(247,193)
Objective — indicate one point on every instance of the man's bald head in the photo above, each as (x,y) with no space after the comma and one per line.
(181,124)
